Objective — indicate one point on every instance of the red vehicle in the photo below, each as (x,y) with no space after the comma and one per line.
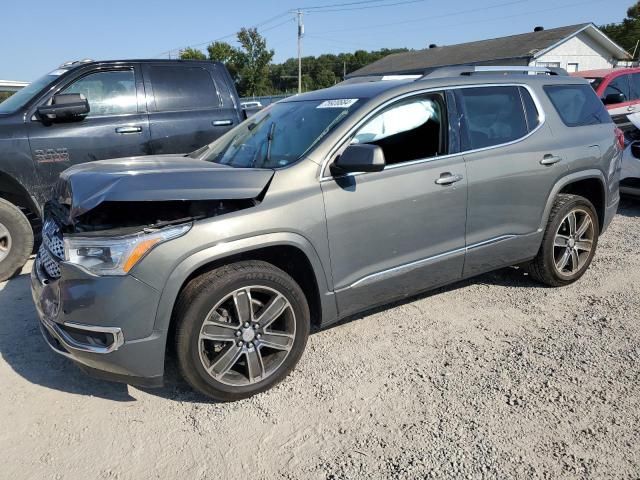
(619,89)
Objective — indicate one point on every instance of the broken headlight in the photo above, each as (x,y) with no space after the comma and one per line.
(116,255)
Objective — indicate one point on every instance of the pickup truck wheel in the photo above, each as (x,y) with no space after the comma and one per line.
(16,240)
(241,328)
(569,242)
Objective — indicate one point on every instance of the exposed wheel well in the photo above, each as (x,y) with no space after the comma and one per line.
(288,258)
(591,189)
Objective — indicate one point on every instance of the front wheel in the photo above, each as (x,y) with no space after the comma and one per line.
(569,242)
(241,329)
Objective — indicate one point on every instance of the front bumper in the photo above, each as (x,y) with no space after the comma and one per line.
(103,324)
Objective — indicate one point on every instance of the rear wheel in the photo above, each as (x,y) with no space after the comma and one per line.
(16,240)
(569,242)
(241,329)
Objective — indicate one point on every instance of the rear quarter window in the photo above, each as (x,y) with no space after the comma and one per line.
(577,105)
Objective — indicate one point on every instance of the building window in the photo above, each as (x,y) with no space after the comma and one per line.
(548,64)
(572,67)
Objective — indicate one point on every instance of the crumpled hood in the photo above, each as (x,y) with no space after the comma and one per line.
(155,178)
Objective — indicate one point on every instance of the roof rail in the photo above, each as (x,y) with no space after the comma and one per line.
(73,62)
(459,70)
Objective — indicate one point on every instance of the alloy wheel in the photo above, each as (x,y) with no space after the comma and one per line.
(247,336)
(573,242)
(5,242)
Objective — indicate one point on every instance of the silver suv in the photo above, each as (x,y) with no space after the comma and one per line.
(319,207)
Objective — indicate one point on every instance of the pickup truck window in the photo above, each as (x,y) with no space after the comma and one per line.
(278,135)
(19,99)
(183,88)
(108,93)
(618,85)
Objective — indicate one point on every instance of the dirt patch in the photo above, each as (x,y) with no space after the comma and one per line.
(495,377)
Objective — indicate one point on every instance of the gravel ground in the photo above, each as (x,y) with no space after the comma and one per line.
(490,378)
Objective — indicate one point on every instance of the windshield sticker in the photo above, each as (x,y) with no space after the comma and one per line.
(338,103)
(58,72)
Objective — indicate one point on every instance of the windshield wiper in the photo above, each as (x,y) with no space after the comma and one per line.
(270,136)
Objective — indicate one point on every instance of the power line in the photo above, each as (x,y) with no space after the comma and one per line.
(497,18)
(317,7)
(257,25)
(288,20)
(366,7)
(422,19)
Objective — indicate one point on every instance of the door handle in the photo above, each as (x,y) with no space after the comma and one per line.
(631,108)
(448,178)
(128,130)
(549,159)
(222,123)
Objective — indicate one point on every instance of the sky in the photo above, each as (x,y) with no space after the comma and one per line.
(41,34)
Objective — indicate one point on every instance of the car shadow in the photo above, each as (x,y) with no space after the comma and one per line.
(629,207)
(26,352)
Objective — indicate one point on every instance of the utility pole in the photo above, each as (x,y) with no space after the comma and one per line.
(344,70)
(300,35)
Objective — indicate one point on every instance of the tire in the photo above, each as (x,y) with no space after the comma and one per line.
(557,244)
(272,344)
(16,240)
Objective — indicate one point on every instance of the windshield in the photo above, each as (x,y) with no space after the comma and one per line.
(22,96)
(594,82)
(278,135)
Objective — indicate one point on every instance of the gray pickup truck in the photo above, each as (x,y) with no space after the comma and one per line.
(86,111)
(319,207)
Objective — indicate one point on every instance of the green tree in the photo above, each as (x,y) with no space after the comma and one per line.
(192,54)
(627,33)
(227,54)
(254,59)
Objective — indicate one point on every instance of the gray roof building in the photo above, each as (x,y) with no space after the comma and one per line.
(574,47)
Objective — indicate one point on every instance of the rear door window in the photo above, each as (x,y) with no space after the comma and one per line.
(492,116)
(619,85)
(183,88)
(577,105)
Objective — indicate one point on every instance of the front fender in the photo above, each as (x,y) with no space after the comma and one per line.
(222,250)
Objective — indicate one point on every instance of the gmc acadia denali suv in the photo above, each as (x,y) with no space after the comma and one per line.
(86,111)
(318,207)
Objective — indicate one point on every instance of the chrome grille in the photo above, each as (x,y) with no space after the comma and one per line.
(51,251)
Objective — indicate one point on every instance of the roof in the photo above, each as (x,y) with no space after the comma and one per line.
(513,47)
(604,72)
(82,63)
(362,90)
(384,89)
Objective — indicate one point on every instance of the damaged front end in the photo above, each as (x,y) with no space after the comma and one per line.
(106,216)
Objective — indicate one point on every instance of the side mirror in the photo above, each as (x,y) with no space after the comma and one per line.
(360,158)
(65,107)
(614,98)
